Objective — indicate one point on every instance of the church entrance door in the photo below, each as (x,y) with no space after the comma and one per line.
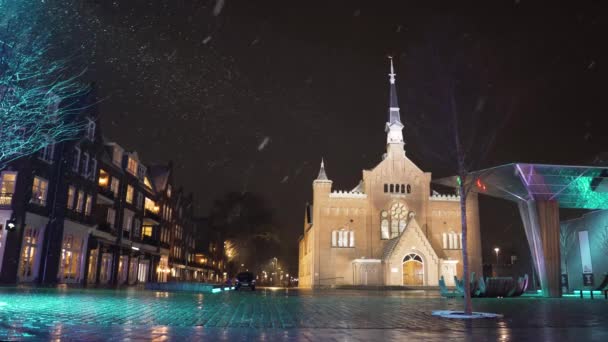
(413,270)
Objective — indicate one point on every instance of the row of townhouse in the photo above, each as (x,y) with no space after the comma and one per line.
(90,213)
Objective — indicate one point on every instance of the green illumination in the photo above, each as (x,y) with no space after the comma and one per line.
(216,290)
(586,197)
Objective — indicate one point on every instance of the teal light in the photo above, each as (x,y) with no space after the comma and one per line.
(216,290)
(586,197)
(226,289)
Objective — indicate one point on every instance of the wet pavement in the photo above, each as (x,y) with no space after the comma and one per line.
(288,315)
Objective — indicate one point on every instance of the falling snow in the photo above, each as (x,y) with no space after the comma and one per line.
(264,143)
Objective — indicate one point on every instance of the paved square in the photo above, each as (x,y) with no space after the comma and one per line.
(287,315)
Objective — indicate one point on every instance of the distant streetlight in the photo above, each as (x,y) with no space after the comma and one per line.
(496,250)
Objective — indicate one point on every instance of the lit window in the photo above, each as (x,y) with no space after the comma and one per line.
(132,166)
(80,201)
(90,129)
(88,205)
(71,197)
(169,190)
(7,187)
(151,206)
(452,240)
(147,231)
(147,183)
(104,178)
(39,190)
(343,238)
(129,196)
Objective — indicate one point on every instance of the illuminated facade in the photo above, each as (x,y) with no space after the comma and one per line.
(391,229)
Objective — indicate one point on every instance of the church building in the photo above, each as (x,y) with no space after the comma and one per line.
(390,230)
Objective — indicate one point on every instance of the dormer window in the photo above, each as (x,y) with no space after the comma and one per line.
(90,129)
(117,156)
(132,166)
(141,172)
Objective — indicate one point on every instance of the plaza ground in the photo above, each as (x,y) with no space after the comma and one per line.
(288,315)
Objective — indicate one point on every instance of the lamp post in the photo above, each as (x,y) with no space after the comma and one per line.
(496,249)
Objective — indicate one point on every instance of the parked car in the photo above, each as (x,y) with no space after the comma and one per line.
(245,279)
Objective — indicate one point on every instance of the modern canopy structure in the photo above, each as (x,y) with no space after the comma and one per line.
(540,190)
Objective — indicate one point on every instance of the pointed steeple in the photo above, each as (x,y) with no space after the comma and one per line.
(322,175)
(393,110)
(394,127)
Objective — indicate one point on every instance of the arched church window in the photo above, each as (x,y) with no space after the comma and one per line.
(412,256)
(452,240)
(384,227)
(396,188)
(409,189)
(392,188)
(402,188)
(398,214)
(385,188)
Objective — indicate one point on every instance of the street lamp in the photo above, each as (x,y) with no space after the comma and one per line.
(496,249)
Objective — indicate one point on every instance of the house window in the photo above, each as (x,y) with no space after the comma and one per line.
(48,152)
(117,156)
(147,231)
(141,172)
(7,187)
(28,253)
(71,196)
(88,205)
(39,191)
(392,188)
(129,196)
(90,129)
(93,168)
(111,217)
(104,178)
(409,189)
(136,227)
(452,240)
(114,185)
(70,258)
(147,183)
(132,166)
(85,165)
(151,206)
(385,188)
(140,200)
(76,159)
(80,201)
(402,188)
(127,220)
(343,238)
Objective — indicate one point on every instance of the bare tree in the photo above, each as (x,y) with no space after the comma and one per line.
(39,97)
(457,111)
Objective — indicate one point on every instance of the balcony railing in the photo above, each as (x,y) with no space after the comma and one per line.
(105,192)
(6,198)
(149,214)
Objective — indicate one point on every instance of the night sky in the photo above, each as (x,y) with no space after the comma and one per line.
(249,95)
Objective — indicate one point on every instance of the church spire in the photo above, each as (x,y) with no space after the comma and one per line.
(322,175)
(394,127)
(393,110)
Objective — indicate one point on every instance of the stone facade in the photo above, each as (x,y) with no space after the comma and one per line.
(389,230)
